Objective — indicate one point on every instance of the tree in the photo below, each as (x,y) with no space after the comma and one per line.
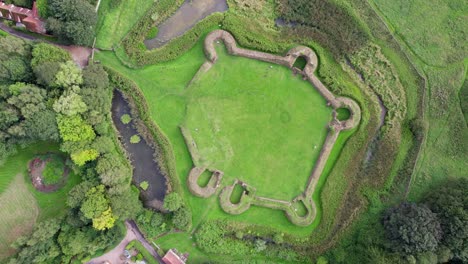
(450,203)
(95,202)
(172,202)
(182,219)
(99,104)
(78,193)
(70,104)
(72,20)
(28,98)
(411,228)
(83,156)
(96,206)
(46,72)
(94,76)
(43,53)
(73,128)
(105,221)
(69,75)
(42,126)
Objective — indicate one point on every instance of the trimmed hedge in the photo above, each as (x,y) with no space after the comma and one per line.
(142,250)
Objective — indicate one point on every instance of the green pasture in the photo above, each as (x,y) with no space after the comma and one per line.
(258,123)
(434,30)
(165,88)
(115,23)
(22,206)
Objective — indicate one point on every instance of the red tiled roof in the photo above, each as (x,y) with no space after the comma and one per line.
(172,258)
(26,16)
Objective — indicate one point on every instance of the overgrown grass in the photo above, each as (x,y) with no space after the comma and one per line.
(115,23)
(439,40)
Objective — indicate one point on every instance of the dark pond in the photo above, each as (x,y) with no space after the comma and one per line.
(184,19)
(145,168)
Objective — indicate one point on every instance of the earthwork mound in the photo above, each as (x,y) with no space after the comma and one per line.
(48,172)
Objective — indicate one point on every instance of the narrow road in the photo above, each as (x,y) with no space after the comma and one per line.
(114,256)
(16,33)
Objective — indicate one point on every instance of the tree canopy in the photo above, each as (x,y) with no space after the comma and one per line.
(412,228)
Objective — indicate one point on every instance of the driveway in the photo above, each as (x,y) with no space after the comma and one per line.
(133,233)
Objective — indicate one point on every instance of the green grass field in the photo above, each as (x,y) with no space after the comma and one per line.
(258,124)
(435,30)
(21,205)
(114,24)
(165,88)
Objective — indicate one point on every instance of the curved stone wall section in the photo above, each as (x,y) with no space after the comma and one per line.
(248,197)
(210,188)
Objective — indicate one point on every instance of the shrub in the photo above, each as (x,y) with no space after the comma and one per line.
(53,171)
(144,185)
(152,33)
(126,119)
(135,139)
(182,219)
(172,202)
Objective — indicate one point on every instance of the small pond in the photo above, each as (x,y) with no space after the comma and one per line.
(187,16)
(145,168)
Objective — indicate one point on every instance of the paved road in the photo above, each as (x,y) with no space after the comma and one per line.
(133,233)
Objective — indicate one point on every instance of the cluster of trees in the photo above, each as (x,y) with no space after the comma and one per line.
(72,21)
(435,230)
(63,239)
(325,22)
(44,96)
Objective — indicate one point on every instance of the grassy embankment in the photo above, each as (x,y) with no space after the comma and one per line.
(115,22)
(22,206)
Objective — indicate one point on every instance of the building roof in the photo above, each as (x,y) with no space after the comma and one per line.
(28,17)
(172,257)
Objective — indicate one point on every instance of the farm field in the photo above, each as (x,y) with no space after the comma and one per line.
(169,101)
(19,196)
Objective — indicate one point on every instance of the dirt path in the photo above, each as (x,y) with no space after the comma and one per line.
(115,255)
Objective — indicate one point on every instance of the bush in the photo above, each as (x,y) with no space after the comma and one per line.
(182,219)
(172,202)
(126,119)
(144,185)
(53,171)
(135,139)
(152,33)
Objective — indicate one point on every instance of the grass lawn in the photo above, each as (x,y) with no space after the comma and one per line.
(165,87)
(21,205)
(114,24)
(261,125)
